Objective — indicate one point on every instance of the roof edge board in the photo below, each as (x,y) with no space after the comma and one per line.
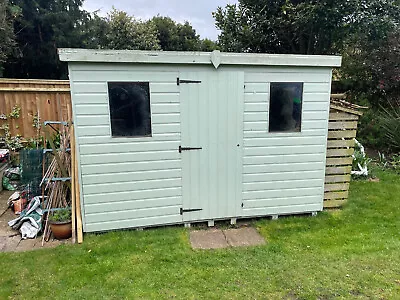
(175,57)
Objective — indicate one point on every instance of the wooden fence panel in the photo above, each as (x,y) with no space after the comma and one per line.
(47,99)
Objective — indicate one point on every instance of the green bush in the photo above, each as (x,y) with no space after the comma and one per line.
(389,121)
(370,132)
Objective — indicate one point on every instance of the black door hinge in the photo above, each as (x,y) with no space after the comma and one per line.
(189,210)
(179,81)
(180,149)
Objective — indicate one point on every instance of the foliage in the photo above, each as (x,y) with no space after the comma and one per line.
(371,68)
(15,112)
(304,27)
(41,28)
(360,160)
(7,15)
(174,36)
(390,124)
(13,143)
(61,215)
(125,32)
(341,254)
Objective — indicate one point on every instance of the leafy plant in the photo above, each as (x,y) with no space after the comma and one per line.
(395,162)
(61,215)
(360,161)
(15,112)
(390,124)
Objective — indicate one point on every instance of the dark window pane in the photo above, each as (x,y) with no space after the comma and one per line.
(130,108)
(285,107)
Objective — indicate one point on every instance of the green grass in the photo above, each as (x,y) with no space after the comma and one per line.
(349,254)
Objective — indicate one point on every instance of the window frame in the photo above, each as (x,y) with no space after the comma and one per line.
(109,110)
(301,107)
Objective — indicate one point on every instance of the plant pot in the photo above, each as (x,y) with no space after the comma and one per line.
(61,230)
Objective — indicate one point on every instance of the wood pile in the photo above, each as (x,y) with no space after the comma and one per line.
(60,181)
(343,119)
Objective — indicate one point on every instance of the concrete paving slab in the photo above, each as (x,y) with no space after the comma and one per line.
(11,243)
(246,236)
(208,239)
(3,242)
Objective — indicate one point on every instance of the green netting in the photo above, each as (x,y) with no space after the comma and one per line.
(31,166)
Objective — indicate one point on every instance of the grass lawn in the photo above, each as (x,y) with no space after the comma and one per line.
(351,254)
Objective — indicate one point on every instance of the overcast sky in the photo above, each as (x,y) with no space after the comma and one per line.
(197,12)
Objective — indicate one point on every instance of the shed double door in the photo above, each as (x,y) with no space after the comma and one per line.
(211,144)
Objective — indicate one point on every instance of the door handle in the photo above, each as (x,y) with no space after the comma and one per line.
(180,149)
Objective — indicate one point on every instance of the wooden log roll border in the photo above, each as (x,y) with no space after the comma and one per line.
(340,148)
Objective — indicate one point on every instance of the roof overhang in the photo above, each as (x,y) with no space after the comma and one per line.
(215,58)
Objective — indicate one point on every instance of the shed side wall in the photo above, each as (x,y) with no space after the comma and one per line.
(284,172)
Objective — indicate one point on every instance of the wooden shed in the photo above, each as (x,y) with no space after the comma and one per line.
(182,137)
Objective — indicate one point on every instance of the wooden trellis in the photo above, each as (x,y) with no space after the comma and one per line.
(343,119)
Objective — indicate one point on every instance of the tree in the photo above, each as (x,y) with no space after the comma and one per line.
(7,39)
(42,27)
(175,36)
(300,26)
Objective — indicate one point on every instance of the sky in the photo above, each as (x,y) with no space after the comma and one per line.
(197,12)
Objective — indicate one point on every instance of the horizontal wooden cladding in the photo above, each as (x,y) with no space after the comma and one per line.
(282,150)
(342,125)
(91,100)
(131,186)
(339,161)
(132,146)
(263,97)
(331,187)
(123,76)
(97,119)
(81,88)
(260,203)
(334,203)
(279,176)
(339,152)
(131,205)
(341,134)
(287,141)
(126,166)
(89,159)
(131,176)
(263,125)
(276,168)
(249,134)
(260,97)
(341,143)
(322,76)
(286,184)
(103,130)
(283,159)
(336,195)
(338,170)
(341,116)
(131,223)
(282,193)
(105,139)
(282,210)
(134,195)
(337,178)
(262,116)
(131,214)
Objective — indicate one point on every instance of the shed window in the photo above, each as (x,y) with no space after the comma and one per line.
(285,106)
(130,108)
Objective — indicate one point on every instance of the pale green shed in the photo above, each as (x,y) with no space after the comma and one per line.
(182,137)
